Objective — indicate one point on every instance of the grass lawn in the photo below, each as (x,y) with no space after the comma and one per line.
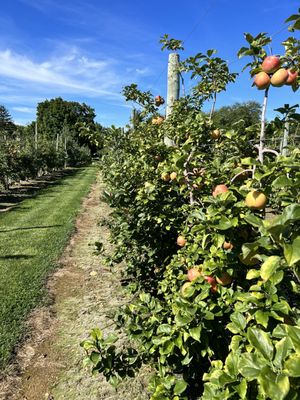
(32,238)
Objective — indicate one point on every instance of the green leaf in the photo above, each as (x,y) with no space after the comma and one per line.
(182,320)
(253,220)
(164,328)
(252,274)
(261,341)
(274,386)
(269,267)
(241,389)
(262,318)
(167,347)
(283,348)
(96,334)
(239,320)
(180,387)
(224,223)
(282,181)
(292,252)
(94,356)
(196,332)
(111,339)
(250,365)
(292,365)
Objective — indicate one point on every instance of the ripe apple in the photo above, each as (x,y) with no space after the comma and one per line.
(292,77)
(193,274)
(210,279)
(215,134)
(165,176)
(184,288)
(256,200)
(280,77)
(262,80)
(227,246)
(157,120)
(159,101)
(219,189)
(173,176)
(224,279)
(213,283)
(270,64)
(181,241)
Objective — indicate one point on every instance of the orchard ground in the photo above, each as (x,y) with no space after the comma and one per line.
(82,292)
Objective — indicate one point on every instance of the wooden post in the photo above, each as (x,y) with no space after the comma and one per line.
(285,139)
(173,88)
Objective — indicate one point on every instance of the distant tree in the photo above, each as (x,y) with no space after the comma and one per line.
(249,112)
(56,116)
(6,123)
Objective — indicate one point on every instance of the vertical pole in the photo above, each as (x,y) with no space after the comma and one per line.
(173,88)
(57,137)
(35,136)
(66,154)
(173,81)
(285,139)
(262,128)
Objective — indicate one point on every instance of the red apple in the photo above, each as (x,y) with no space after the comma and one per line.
(213,283)
(219,189)
(227,246)
(280,77)
(193,274)
(292,77)
(224,279)
(262,80)
(159,101)
(181,241)
(270,64)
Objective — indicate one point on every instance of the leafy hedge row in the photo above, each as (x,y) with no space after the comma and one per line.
(215,278)
(230,342)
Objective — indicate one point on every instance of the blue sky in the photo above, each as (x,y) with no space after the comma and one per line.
(88,50)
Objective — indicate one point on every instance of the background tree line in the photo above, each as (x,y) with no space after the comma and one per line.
(64,134)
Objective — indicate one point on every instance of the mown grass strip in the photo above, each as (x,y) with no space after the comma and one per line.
(32,238)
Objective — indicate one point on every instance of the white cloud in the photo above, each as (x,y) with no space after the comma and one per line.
(27,110)
(71,72)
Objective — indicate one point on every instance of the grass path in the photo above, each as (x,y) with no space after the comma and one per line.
(84,293)
(32,238)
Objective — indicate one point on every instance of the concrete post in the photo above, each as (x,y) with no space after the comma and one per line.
(173,88)
(285,139)
(173,81)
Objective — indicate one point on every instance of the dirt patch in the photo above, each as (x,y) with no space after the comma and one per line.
(82,293)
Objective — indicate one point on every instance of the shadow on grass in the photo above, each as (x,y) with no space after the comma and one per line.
(14,196)
(30,227)
(15,257)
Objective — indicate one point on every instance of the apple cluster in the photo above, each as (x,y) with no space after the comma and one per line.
(159,101)
(273,74)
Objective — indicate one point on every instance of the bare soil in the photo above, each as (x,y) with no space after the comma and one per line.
(82,293)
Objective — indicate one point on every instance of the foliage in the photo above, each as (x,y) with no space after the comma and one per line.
(64,134)
(170,43)
(233,331)
(249,112)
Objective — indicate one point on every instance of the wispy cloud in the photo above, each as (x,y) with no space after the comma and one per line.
(26,110)
(71,71)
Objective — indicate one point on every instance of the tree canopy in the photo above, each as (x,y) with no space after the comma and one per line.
(248,111)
